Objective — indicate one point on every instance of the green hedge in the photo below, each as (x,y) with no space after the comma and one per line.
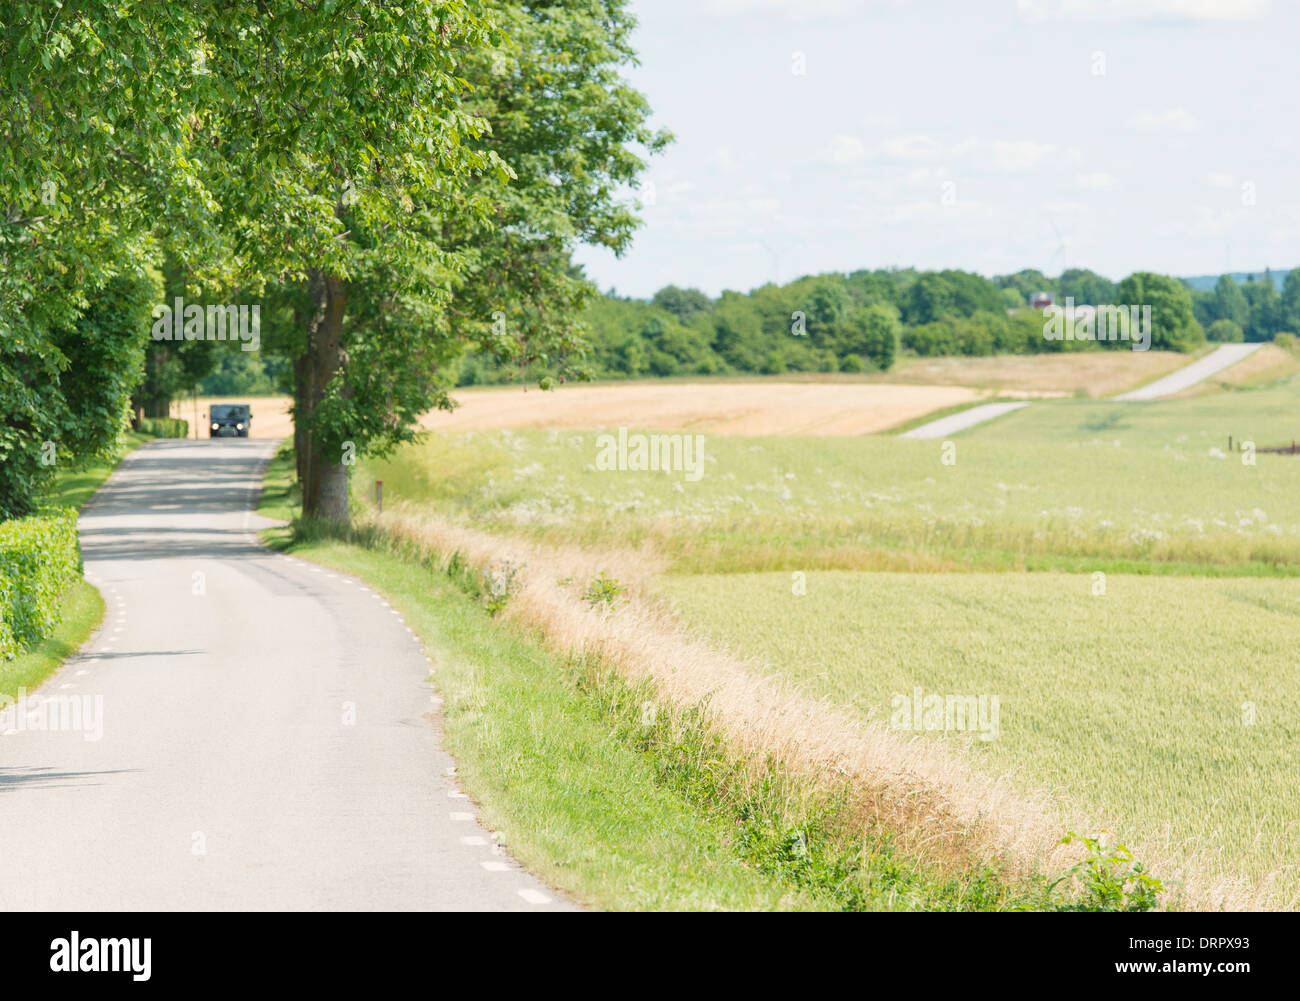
(39,558)
(165,427)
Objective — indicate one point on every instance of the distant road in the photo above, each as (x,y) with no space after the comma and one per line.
(1199,370)
(269,738)
(953,423)
(1216,361)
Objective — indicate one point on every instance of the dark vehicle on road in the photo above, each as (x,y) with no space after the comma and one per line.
(229,420)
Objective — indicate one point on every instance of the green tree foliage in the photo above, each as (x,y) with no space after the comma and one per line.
(173,368)
(929,300)
(104,350)
(972,293)
(826,309)
(1086,287)
(1224,332)
(843,329)
(1265,316)
(931,339)
(65,389)
(1289,318)
(493,271)
(871,332)
(682,303)
(1173,327)
(233,127)
(738,333)
(1229,302)
(245,373)
(75,209)
(1027,282)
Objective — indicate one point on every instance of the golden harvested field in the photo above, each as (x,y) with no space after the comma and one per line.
(723,408)
(812,404)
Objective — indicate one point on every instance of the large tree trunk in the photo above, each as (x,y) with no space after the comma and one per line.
(324,477)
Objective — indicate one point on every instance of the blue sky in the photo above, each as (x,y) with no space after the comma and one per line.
(988,135)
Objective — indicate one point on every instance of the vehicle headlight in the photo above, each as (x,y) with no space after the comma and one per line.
(216,427)
(239,427)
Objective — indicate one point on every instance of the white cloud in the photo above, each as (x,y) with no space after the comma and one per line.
(731,212)
(926,175)
(912,148)
(1055,209)
(722,159)
(1213,222)
(1184,10)
(1019,155)
(845,149)
(935,211)
(1097,180)
(1172,120)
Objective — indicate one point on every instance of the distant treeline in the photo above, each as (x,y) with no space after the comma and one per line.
(862,321)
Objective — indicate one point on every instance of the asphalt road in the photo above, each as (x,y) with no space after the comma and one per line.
(246,730)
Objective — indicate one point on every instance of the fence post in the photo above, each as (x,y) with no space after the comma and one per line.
(379,495)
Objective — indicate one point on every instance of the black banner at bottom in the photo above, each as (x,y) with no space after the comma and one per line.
(624,951)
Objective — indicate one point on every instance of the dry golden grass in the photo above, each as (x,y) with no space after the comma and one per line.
(723,408)
(1097,373)
(1269,364)
(927,793)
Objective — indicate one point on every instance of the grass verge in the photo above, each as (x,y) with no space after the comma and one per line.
(578,805)
(608,795)
(281,498)
(83,610)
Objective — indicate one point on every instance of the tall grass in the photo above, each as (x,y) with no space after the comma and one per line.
(936,808)
(1162,706)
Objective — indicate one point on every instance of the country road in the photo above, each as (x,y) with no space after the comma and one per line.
(960,421)
(1224,356)
(268,738)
